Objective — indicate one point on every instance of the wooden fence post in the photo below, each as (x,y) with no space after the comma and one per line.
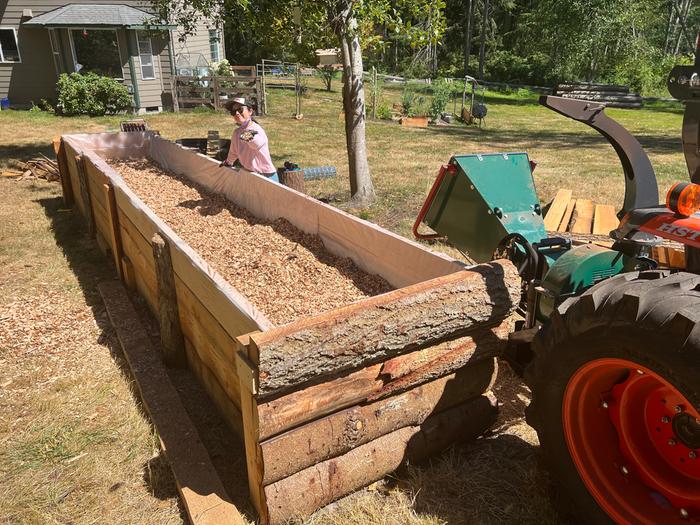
(115,234)
(66,185)
(85,194)
(170,330)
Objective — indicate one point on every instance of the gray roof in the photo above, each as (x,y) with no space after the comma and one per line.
(106,15)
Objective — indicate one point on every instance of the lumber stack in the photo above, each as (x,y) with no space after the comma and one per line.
(329,402)
(614,96)
(584,221)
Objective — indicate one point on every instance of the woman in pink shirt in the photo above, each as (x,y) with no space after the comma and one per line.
(249,141)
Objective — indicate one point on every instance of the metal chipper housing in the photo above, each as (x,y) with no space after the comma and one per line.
(486,205)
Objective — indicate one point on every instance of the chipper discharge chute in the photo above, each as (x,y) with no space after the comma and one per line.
(609,344)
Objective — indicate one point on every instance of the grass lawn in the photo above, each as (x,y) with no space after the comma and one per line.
(74,444)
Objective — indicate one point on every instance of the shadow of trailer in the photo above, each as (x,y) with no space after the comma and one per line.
(328,403)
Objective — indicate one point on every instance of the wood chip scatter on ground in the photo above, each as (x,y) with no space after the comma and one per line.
(286,273)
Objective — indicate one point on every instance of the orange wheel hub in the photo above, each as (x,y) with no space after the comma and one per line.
(635,441)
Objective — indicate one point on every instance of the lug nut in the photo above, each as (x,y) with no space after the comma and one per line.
(604,404)
(692,454)
(684,514)
(624,470)
(640,372)
(672,442)
(665,419)
(678,409)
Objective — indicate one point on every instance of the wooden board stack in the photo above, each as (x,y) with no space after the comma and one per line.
(585,221)
(328,403)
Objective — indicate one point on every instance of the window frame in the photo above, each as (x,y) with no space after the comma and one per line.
(138,50)
(215,40)
(19,54)
(75,56)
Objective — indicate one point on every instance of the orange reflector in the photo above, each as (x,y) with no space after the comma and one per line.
(684,198)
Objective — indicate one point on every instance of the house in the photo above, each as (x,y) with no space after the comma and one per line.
(41,40)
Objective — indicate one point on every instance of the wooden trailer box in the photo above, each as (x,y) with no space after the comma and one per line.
(329,402)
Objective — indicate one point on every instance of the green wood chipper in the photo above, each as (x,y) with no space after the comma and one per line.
(608,343)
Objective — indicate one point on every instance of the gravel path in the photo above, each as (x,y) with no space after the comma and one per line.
(285,273)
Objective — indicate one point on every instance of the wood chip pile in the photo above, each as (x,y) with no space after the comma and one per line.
(286,273)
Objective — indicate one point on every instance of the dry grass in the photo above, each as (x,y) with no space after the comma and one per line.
(74,446)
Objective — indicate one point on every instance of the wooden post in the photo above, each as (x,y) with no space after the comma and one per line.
(170,330)
(374,92)
(66,185)
(293,179)
(115,233)
(85,194)
(129,276)
(248,377)
(215,83)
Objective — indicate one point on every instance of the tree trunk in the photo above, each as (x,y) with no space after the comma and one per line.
(482,47)
(345,27)
(468,34)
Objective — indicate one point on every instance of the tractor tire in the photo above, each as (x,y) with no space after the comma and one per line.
(615,398)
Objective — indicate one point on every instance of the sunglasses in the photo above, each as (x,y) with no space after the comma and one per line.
(238,110)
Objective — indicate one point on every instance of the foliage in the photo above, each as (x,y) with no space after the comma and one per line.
(442,94)
(222,68)
(384,111)
(412,104)
(90,94)
(327,74)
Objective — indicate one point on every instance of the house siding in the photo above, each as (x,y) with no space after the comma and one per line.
(35,77)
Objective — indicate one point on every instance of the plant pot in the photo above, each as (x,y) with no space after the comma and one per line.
(416,122)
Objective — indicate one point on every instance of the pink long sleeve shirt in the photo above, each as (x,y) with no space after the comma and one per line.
(249,147)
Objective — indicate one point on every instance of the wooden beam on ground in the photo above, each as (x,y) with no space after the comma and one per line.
(582,218)
(302,493)
(202,492)
(566,219)
(384,326)
(604,219)
(557,210)
(169,317)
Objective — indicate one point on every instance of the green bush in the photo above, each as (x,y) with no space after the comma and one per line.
(90,94)
(412,104)
(384,111)
(442,93)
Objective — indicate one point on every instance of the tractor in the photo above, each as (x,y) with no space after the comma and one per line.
(608,343)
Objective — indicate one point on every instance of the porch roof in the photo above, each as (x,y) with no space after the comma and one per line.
(97,15)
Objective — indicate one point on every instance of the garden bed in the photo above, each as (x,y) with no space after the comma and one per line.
(333,372)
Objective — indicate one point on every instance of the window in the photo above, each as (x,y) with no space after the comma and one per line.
(96,51)
(9,49)
(214,45)
(148,70)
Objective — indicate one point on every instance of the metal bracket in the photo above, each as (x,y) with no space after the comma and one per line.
(641,188)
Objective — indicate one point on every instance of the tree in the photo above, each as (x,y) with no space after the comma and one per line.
(342,18)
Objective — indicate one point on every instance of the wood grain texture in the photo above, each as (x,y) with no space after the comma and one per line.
(378,381)
(83,182)
(302,493)
(66,185)
(604,219)
(384,326)
(169,317)
(342,431)
(566,219)
(556,211)
(203,494)
(582,219)
(115,235)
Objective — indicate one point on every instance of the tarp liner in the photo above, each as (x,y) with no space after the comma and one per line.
(376,250)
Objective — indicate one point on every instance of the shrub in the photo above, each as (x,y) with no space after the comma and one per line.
(442,92)
(412,104)
(90,94)
(384,111)
(222,68)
